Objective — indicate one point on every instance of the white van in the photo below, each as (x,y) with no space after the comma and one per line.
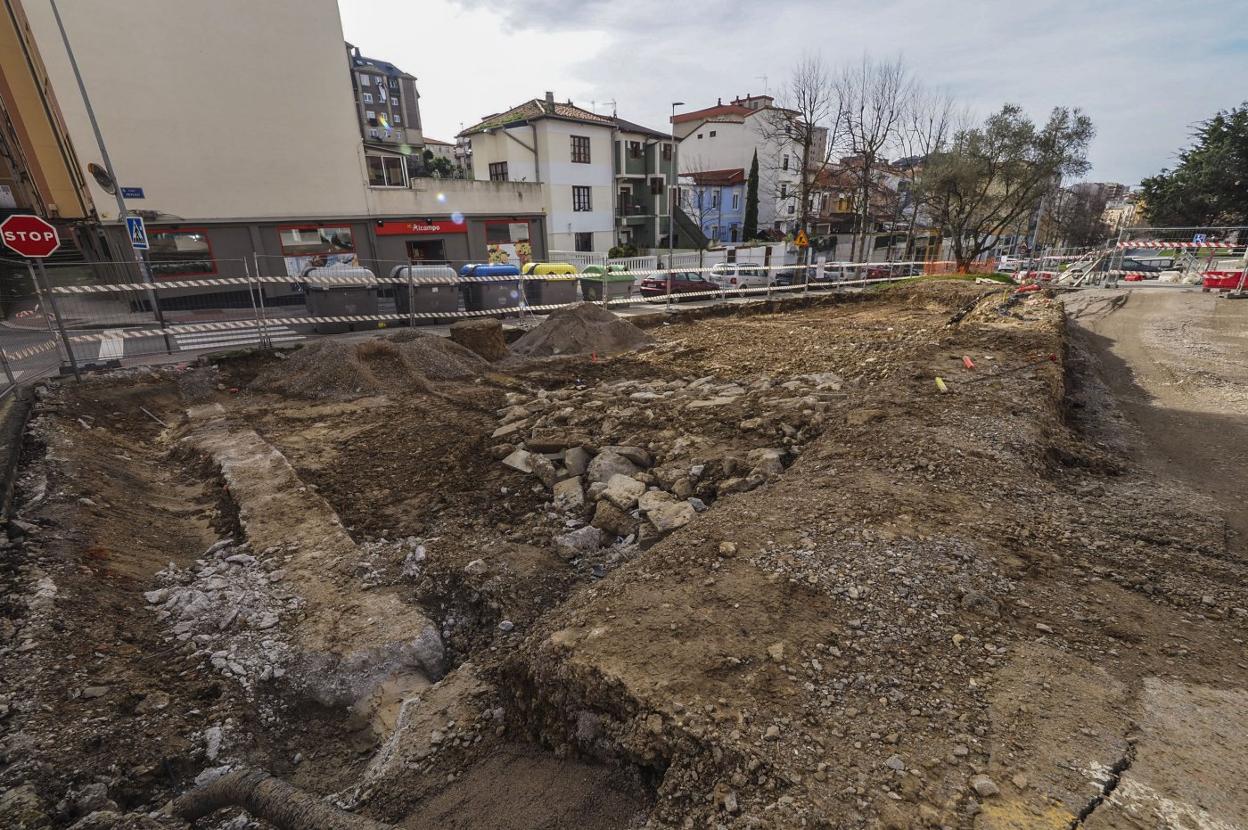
(732,276)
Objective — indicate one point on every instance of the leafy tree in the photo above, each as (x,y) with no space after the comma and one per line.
(990,179)
(1210,184)
(750,226)
(1075,219)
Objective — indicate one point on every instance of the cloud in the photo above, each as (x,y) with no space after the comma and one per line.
(1145,70)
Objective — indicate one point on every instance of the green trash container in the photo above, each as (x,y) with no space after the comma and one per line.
(341,292)
(613,281)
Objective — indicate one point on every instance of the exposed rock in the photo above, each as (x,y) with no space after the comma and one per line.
(476,567)
(613,520)
(544,469)
(622,491)
(862,417)
(521,460)
(606,464)
(637,455)
(669,516)
(576,459)
(579,542)
(153,702)
(982,604)
(984,786)
(569,495)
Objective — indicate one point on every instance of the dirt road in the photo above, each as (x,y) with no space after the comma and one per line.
(1177,363)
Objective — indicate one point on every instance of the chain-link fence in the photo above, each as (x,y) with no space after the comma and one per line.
(65,313)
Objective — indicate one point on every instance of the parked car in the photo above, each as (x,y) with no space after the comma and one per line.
(681,282)
(809,275)
(732,276)
(1138,271)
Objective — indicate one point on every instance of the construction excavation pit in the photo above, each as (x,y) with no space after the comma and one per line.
(904,558)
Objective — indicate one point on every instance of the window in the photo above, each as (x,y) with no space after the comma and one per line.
(791,210)
(656,186)
(784,190)
(366,97)
(177,253)
(634,149)
(373,133)
(699,135)
(363,76)
(736,202)
(584,241)
(667,152)
(714,199)
(498,171)
(712,133)
(394,83)
(715,233)
(396,118)
(580,149)
(306,241)
(386,171)
(398,135)
(370,116)
(581,200)
(784,162)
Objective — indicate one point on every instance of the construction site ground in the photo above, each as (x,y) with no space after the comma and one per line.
(809,588)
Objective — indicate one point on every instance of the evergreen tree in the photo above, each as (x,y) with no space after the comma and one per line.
(750,231)
(1209,186)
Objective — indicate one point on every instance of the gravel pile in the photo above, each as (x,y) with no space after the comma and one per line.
(581,329)
(332,369)
(230,605)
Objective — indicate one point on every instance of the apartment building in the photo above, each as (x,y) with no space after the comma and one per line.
(726,137)
(566,149)
(645,171)
(715,201)
(252,139)
(387,102)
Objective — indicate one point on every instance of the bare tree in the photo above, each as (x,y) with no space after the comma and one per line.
(875,98)
(809,119)
(926,129)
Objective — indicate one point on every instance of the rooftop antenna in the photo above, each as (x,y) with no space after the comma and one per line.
(763,78)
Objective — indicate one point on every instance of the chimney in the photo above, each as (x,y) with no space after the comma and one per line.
(719,102)
(550,99)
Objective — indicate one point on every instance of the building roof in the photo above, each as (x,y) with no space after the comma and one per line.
(429,140)
(631,127)
(717,178)
(359,61)
(716,111)
(535,109)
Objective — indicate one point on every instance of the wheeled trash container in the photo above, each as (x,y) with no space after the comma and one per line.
(341,292)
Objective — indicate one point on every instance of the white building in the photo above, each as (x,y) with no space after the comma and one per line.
(566,149)
(726,136)
(233,129)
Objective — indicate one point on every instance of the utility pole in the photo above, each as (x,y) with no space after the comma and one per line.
(139,256)
(674,191)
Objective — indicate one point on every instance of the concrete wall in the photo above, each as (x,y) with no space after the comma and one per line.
(224,109)
(446,196)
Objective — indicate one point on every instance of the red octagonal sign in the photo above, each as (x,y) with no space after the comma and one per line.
(30,236)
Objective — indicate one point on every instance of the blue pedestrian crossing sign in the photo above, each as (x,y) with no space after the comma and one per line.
(138,233)
(1200,238)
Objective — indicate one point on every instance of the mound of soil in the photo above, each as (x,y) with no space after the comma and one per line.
(331,369)
(581,329)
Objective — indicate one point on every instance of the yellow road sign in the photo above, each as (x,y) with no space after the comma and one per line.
(801,241)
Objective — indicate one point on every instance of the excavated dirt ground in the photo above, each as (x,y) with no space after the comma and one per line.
(993,607)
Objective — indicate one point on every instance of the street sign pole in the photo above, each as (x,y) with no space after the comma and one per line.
(139,256)
(60,324)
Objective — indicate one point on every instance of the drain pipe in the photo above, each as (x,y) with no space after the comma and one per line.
(270,799)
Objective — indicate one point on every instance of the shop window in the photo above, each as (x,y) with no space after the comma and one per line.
(180,253)
(307,241)
(508,242)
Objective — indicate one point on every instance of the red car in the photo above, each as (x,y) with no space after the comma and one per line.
(682,282)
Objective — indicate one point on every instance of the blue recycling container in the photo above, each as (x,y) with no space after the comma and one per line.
(488,287)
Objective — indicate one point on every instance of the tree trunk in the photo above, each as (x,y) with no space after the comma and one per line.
(270,799)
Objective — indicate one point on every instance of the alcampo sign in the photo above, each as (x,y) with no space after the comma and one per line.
(420,228)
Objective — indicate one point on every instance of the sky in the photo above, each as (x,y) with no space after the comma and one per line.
(1146,71)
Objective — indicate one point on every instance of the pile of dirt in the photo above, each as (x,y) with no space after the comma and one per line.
(330,369)
(581,329)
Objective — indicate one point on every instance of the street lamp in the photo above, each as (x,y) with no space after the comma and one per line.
(671,199)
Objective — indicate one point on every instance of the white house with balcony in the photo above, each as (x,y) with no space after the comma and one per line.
(569,151)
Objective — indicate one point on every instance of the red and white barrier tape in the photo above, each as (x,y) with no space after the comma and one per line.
(31,351)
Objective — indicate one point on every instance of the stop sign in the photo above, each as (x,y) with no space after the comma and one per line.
(30,236)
